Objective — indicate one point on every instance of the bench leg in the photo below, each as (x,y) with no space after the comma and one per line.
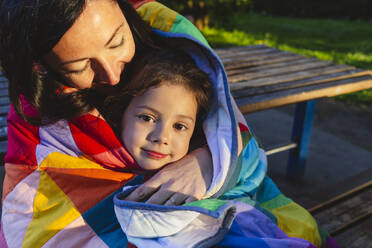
(301,131)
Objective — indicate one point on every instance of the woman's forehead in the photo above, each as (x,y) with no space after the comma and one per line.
(92,30)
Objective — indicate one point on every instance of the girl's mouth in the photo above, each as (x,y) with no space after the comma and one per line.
(154,155)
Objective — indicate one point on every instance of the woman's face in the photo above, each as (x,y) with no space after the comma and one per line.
(96,48)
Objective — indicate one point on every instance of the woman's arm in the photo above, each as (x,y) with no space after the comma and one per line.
(183,181)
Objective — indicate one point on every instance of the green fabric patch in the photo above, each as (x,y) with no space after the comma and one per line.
(209,204)
(182,25)
(277,202)
(246,137)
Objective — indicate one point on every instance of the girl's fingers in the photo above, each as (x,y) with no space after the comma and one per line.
(190,199)
(142,192)
(175,199)
(160,197)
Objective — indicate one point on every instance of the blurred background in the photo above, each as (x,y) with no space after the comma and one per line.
(334,30)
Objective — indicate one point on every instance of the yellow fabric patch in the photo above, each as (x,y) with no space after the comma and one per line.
(53,211)
(60,160)
(157,15)
(289,217)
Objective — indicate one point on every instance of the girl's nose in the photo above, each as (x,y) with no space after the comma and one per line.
(160,136)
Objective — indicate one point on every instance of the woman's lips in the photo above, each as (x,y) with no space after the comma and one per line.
(154,155)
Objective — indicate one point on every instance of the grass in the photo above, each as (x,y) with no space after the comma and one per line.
(341,41)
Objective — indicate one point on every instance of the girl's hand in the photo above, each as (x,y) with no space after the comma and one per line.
(183,181)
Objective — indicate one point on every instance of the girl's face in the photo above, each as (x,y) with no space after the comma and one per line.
(96,48)
(157,126)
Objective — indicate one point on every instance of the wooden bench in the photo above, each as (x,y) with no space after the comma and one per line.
(262,78)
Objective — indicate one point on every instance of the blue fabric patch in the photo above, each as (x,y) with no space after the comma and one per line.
(267,191)
(162,208)
(102,219)
(235,238)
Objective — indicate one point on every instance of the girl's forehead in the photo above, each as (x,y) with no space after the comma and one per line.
(168,99)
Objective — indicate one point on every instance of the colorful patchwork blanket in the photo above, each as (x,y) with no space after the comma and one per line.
(64,182)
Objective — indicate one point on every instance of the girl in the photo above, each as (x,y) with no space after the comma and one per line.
(167,99)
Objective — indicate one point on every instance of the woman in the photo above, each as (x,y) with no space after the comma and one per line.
(65,57)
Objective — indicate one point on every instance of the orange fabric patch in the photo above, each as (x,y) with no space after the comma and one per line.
(14,173)
(87,187)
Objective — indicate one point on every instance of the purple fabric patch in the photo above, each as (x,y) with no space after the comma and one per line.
(3,243)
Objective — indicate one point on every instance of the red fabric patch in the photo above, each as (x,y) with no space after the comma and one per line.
(138,3)
(14,174)
(87,187)
(243,128)
(93,135)
(22,140)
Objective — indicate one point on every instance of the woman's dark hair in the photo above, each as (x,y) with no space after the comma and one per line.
(29,29)
(157,67)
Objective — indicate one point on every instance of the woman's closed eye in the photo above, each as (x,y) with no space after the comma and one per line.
(76,72)
(117,44)
(146,118)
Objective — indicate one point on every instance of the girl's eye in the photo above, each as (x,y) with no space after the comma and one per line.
(118,44)
(180,127)
(147,118)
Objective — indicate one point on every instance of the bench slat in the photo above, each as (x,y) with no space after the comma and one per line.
(253,91)
(3,145)
(289,77)
(280,71)
(221,51)
(269,66)
(247,53)
(276,99)
(343,214)
(356,237)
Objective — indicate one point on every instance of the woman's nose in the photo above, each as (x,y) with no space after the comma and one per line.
(109,71)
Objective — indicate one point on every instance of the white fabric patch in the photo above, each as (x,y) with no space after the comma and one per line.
(18,210)
(150,223)
(76,234)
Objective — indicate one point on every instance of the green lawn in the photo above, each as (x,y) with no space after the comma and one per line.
(341,41)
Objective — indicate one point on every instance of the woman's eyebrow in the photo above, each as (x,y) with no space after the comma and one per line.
(114,34)
(107,43)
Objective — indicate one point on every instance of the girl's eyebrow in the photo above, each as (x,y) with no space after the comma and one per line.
(114,34)
(158,113)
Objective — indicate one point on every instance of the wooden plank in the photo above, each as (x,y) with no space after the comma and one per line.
(347,211)
(3,145)
(221,51)
(299,83)
(228,63)
(356,237)
(286,69)
(277,99)
(270,66)
(340,197)
(3,133)
(4,100)
(228,57)
(3,92)
(264,61)
(3,121)
(289,77)
(4,109)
